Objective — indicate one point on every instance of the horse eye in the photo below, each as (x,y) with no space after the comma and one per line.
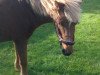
(62,9)
(60,5)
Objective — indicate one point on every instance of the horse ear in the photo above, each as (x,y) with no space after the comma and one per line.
(56,4)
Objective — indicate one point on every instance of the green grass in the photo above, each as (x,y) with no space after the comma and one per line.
(44,54)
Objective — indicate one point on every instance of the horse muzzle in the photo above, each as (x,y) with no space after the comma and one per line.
(67,47)
(66,52)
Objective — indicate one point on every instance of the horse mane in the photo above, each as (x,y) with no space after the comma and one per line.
(71,9)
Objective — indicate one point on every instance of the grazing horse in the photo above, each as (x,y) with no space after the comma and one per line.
(19,18)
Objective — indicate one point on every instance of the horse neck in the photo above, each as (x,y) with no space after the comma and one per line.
(39,12)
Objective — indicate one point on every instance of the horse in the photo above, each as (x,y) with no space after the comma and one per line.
(19,19)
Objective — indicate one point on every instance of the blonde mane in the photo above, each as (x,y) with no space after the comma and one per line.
(71,10)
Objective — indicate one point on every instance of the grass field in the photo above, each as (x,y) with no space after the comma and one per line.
(44,54)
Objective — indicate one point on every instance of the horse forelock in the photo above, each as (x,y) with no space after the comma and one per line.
(71,9)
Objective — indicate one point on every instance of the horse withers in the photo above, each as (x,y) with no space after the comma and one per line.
(19,18)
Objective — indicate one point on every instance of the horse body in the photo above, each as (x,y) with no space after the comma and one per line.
(19,18)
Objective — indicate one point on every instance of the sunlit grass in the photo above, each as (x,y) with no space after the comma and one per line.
(44,54)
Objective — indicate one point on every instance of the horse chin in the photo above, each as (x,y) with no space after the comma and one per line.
(68,51)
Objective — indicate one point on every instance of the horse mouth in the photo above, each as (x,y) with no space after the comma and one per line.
(66,53)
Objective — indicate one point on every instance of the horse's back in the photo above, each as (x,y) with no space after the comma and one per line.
(15,20)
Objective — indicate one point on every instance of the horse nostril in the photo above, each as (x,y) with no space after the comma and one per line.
(66,53)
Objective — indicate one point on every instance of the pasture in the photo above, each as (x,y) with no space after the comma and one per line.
(44,53)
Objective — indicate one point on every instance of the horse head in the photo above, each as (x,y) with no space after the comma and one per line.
(65,14)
